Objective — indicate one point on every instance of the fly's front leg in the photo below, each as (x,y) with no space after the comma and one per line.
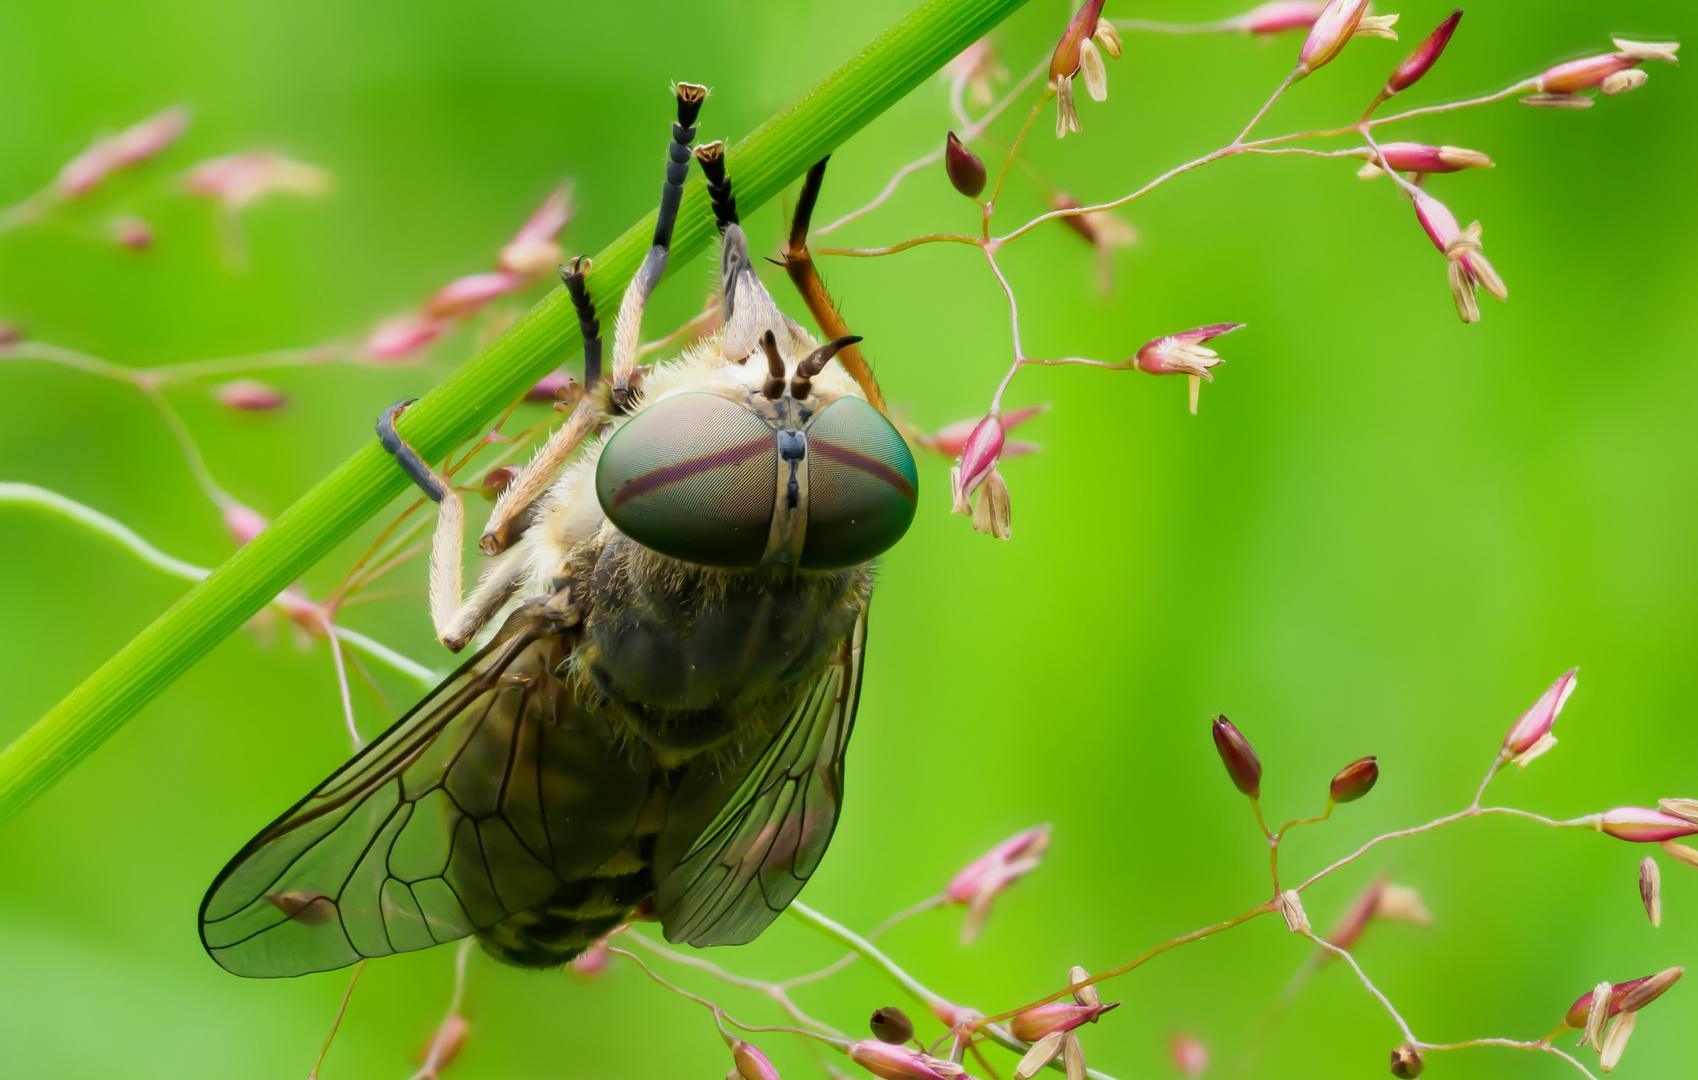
(455,623)
(799,264)
(626,331)
(573,277)
(512,513)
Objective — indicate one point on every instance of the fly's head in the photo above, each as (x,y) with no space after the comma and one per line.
(767,465)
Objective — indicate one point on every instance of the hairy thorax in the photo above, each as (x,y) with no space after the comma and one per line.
(688,658)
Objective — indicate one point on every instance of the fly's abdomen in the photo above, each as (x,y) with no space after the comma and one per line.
(582,910)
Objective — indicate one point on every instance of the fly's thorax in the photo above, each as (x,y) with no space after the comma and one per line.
(688,656)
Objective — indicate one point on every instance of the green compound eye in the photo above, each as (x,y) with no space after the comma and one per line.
(694,477)
(862,486)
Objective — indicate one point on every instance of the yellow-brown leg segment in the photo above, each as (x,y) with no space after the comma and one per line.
(799,264)
(455,622)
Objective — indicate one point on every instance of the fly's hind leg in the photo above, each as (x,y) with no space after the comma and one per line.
(799,264)
(455,622)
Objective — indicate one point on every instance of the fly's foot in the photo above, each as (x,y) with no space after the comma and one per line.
(405,456)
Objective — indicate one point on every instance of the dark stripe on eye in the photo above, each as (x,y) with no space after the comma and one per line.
(644,483)
(854,459)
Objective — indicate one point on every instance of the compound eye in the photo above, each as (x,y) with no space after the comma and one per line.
(695,477)
(862,486)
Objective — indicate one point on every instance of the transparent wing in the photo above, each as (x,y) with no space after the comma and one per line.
(471,808)
(741,840)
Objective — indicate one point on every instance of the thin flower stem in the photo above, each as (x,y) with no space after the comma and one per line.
(1402,1024)
(867,950)
(336,1024)
(70,358)
(1539,1045)
(688,330)
(424,676)
(929,238)
(775,991)
(191,450)
(1140,960)
(433,1062)
(1590,821)
(310,356)
(718,1012)
(1056,215)
(329,629)
(1497,763)
(974,130)
(1409,1034)
(113,529)
(1428,110)
(1145,26)
(1013,149)
(879,931)
(1269,104)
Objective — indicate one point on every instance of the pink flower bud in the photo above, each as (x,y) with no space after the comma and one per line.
(1279,15)
(593,961)
(1585,74)
(549,219)
(1638,992)
(1034,1024)
(1183,352)
(1422,158)
(1639,825)
(251,395)
(1065,61)
(978,460)
(1355,780)
(980,882)
(1354,922)
(1651,890)
(404,335)
(1241,762)
(1424,57)
(133,233)
(1333,29)
(1536,722)
(966,171)
(951,440)
(446,1043)
(148,138)
(135,144)
(1469,270)
(244,524)
(956,1017)
(1187,1053)
(751,1063)
(466,295)
(9,334)
(894,1062)
(549,386)
(237,180)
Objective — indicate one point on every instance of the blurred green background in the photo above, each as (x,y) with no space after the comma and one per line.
(1385,533)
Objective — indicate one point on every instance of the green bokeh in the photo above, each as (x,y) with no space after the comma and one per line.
(1385,533)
